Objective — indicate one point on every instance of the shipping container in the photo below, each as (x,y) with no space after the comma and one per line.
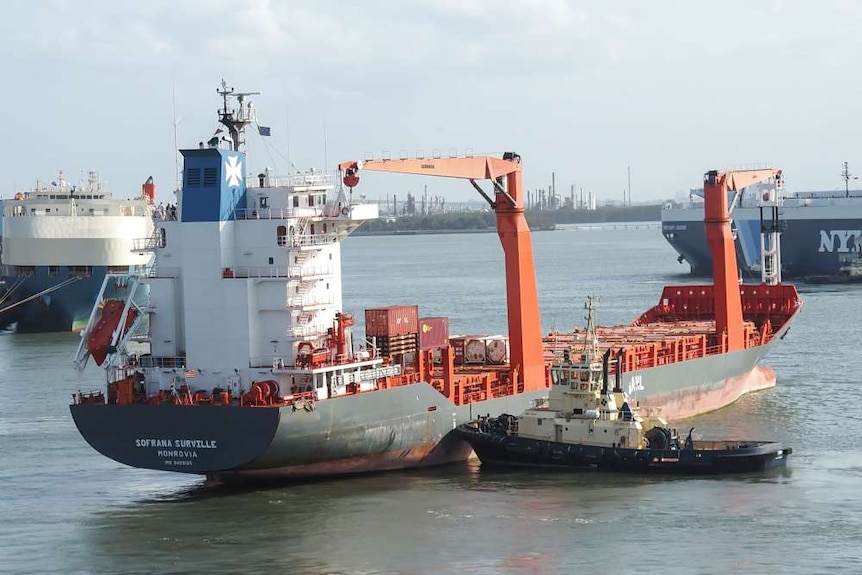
(497,349)
(433,332)
(391,320)
(475,350)
(389,345)
(457,344)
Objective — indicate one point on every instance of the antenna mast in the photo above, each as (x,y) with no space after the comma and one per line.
(177,173)
(847,177)
(236,120)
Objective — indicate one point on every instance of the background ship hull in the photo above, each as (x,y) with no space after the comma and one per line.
(64,309)
(801,242)
(402,427)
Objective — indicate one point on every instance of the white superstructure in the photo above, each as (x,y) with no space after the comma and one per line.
(59,224)
(273,286)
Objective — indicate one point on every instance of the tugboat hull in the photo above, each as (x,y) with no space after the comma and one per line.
(727,457)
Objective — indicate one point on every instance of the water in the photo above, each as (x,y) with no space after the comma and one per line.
(66,509)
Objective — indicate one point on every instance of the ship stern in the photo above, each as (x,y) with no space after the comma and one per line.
(187,439)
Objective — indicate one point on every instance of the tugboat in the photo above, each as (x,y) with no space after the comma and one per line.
(584,424)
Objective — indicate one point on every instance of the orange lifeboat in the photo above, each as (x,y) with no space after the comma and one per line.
(100,337)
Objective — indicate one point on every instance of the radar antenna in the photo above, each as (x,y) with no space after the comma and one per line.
(235,120)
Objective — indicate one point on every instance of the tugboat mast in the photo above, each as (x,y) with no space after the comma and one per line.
(236,120)
(591,337)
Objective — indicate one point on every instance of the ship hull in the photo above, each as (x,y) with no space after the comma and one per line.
(63,309)
(815,242)
(398,428)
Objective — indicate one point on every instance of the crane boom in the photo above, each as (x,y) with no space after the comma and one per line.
(728,302)
(524,322)
(471,168)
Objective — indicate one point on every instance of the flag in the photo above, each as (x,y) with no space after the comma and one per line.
(190,373)
(264,131)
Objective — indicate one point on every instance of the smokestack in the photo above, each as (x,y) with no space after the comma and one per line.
(619,374)
(605,358)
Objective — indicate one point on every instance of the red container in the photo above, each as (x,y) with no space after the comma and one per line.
(458,349)
(391,320)
(433,332)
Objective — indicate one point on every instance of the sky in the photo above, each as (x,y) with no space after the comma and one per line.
(584,91)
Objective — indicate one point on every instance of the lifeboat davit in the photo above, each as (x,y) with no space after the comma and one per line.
(102,333)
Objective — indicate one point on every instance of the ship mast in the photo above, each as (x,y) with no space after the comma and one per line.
(847,177)
(235,120)
(591,337)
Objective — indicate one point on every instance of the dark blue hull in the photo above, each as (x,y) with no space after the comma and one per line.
(505,450)
(822,248)
(62,309)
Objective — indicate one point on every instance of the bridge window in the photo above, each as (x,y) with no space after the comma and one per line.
(53,271)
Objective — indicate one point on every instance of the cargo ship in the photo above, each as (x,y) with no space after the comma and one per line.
(59,240)
(232,357)
(822,239)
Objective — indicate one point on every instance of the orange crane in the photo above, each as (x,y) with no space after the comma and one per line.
(728,302)
(525,332)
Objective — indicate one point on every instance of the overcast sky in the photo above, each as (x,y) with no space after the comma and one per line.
(579,89)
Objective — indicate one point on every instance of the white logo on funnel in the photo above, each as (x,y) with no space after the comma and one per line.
(233,171)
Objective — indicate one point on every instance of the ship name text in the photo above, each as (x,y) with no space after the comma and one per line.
(847,241)
(178,443)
